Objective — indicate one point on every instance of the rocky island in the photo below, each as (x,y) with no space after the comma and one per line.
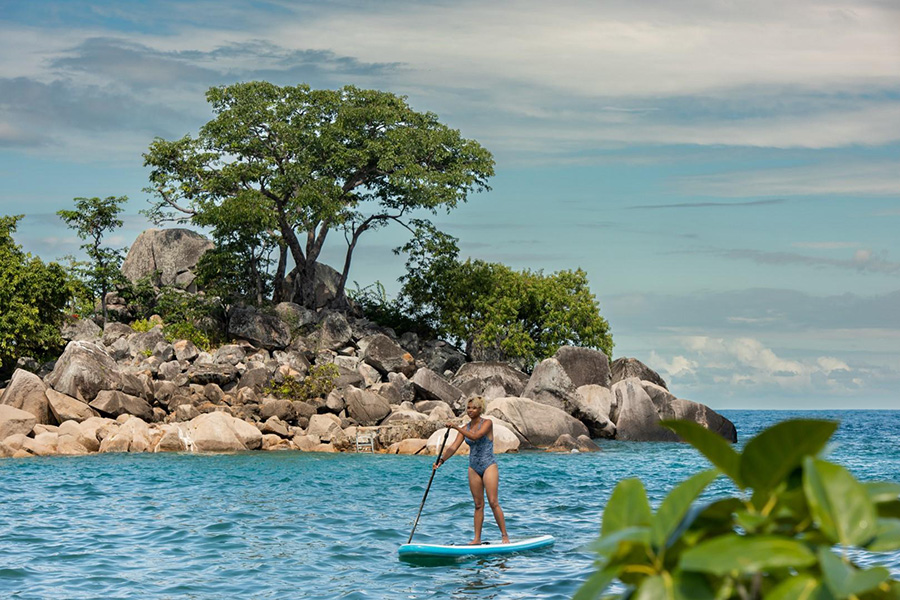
(120,390)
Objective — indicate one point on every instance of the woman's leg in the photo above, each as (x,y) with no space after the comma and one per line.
(491,481)
(477,488)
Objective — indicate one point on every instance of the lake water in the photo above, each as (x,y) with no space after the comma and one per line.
(296,525)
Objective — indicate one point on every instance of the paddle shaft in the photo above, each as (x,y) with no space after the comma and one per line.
(433,471)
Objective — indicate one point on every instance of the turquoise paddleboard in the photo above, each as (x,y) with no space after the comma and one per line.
(440,550)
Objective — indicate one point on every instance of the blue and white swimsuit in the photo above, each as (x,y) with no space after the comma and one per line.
(481,453)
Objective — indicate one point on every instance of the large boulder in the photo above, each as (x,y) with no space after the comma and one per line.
(260,329)
(431,386)
(204,373)
(14,421)
(145,342)
(334,332)
(220,432)
(26,391)
(297,317)
(550,384)
(364,407)
(439,356)
(584,366)
(596,404)
(637,416)
(623,368)
(132,436)
(489,379)
(168,256)
(539,424)
(114,404)
(66,408)
(703,415)
(81,330)
(83,370)
(387,356)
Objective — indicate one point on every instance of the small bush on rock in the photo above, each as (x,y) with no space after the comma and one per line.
(142,325)
(317,384)
(792,532)
(187,331)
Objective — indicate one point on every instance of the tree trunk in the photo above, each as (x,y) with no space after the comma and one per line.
(278,282)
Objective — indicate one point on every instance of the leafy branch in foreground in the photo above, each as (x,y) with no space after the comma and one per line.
(790,534)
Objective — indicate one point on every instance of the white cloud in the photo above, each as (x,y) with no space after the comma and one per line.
(878,178)
(747,362)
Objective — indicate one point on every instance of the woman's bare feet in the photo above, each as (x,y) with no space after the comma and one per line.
(475,543)
(505,539)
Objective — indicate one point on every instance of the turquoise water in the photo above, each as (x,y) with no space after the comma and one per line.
(295,525)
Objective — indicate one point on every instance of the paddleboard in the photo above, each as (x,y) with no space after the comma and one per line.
(451,550)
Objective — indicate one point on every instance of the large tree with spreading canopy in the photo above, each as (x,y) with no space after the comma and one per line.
(305,162)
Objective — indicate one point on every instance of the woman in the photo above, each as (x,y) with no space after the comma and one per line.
(484,476)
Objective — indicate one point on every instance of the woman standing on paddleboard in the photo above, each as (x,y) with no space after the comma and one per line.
(484,476)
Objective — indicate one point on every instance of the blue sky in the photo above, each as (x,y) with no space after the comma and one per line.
(728,174)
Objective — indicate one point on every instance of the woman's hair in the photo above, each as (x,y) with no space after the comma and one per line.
(478,402)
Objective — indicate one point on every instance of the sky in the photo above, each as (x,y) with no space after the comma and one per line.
(727,173)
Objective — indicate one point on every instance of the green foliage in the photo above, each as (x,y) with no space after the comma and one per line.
(140,296)
(318,383)
(785,537)
(187,331)
(284,166)
(378,307)
(33,297)
(92,219)
(237,269)
(142,325)
(488,307)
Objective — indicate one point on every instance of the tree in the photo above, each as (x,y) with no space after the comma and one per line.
(312,161)
(92,219)
(498,313)
(33,296)
(237,268)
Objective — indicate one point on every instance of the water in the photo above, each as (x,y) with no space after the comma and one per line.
(295,525)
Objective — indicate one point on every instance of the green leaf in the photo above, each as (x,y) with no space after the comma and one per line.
(839,504)
(676,504)
(800,587)
(771,456)
(692,586)
(627,507)
(735,554)
(594,586)
(653,588)
(887,536)
(882,491)
(608,544)
(711,445)
(845,580)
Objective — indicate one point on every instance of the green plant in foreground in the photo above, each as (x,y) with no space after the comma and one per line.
(317,384)
(786,536)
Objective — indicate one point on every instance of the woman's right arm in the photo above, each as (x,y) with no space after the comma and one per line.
(450,451)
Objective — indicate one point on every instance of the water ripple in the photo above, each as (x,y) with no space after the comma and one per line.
(292,525)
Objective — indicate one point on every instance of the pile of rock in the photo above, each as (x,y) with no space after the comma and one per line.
(119,390)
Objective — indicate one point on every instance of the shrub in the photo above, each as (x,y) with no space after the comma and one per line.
(317,384)
(142,325)
(776,539)
(33,299)
(187,331)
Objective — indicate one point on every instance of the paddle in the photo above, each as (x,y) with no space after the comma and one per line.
(433,471)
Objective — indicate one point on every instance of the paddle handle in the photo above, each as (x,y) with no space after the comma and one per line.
(433,471)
